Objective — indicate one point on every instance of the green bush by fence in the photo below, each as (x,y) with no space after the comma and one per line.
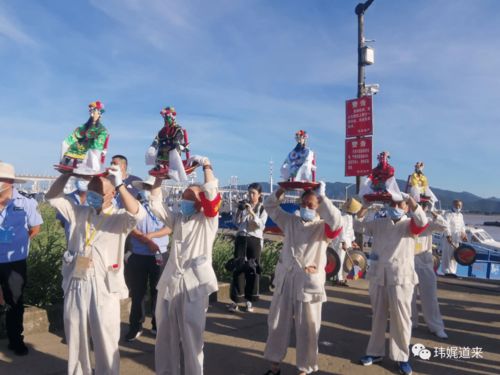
(45,259)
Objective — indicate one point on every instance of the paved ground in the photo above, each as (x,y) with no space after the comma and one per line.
(235,342)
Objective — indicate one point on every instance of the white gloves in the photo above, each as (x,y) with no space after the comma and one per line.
(321,189)
(197,159)
(116,175)
(405,196)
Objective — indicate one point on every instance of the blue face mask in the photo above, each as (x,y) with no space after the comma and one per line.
(94,199)
(395,213)
(82,185)
(307,214)
(187,207)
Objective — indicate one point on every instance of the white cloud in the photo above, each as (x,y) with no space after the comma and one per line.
(10,29)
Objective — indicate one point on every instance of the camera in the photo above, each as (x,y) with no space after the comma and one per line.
(242,204)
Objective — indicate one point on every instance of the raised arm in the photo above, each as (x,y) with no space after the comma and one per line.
(419,221)
(129,202)
(157,206)
(360,224)
(57,187)
(56,198)
(273,209)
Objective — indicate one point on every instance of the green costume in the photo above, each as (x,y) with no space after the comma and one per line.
(84,138)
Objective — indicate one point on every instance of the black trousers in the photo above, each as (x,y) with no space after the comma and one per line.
(13,279)
(245,285)
(142,270)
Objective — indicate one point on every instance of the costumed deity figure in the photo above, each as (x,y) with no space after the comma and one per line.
(419,185)
(85,148)
(165,151)
(381,184)
(300,164)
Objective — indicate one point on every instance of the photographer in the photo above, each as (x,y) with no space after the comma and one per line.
(250,218)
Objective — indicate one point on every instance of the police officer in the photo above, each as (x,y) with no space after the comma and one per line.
(122,162)
(19,222)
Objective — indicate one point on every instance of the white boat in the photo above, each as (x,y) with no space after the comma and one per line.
(478,236)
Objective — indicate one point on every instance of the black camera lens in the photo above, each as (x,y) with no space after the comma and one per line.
(242,205)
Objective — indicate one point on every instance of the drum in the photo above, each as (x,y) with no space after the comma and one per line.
(332,263)
(355,257)
(465,255)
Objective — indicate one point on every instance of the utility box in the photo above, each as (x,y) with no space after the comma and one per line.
(367,55)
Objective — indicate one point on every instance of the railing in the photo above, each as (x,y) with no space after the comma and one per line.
(484,255)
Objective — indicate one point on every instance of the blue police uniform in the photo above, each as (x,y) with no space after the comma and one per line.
(150,224)
(142,268)
(16,219)
(131,189)
(20,214)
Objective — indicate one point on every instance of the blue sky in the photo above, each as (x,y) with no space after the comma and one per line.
(245,75)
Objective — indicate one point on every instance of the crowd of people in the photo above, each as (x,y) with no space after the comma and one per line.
(123,240)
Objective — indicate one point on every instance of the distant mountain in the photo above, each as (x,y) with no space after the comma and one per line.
(472,203)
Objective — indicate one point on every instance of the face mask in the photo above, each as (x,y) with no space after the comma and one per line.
(187,207)
(82,185)
(307,214)
(144,195)
(395,213)
(94,199)
(457,210)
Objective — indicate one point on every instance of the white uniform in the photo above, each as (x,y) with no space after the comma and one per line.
(346,237)
(299,294)
(185,284)
(93,301)
(392,279)
(456,229)
(427,282)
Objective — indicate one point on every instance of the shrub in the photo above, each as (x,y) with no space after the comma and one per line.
(44,262)
(224,249)
(270,255)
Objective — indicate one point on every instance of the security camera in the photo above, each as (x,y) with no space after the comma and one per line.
(372,89)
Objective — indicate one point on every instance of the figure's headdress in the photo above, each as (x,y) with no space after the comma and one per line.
(384,157)
(96,105)
(419,165)
(301,134)
(168,113)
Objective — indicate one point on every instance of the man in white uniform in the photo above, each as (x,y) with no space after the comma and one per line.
(346,240)
(300,277)
(392,279)
(188,278)
(93,281)
(427,282)
(451,239)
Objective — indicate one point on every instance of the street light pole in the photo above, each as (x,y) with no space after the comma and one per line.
(360,12)
(347,188)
